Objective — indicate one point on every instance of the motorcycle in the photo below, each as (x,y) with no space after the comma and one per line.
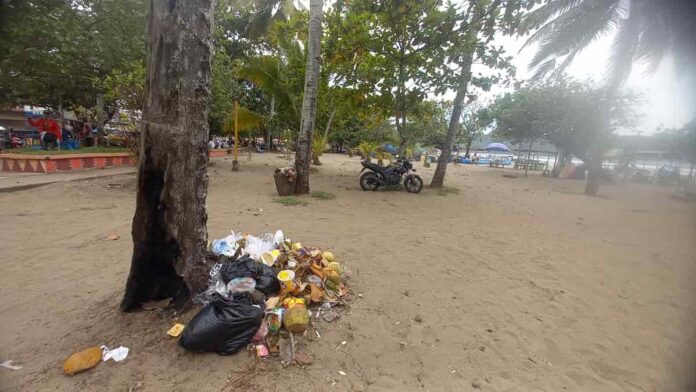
(388,176)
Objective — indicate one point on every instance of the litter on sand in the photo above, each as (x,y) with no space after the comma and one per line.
(260,294)
(82,360)
(8,365)
(176,330)
(118,354)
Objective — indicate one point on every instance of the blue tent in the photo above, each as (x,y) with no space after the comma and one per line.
(497,147)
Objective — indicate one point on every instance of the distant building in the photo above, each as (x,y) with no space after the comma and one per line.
(14,118)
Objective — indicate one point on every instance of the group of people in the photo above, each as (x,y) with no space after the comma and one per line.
(51,133)
(228,141)
(220,142)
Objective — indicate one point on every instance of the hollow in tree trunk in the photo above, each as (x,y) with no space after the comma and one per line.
(169,226)
(303,155)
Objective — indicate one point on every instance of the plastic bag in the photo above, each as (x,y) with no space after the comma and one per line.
(241,285)
(278,237)
(256,246)
(223,326)
(216,287)
(245,267)
(226,246)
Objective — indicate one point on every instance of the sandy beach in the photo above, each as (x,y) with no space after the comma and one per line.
(513,284)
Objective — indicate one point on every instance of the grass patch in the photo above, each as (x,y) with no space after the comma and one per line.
(290,201)
(83,150)
(447,190)
(321,195)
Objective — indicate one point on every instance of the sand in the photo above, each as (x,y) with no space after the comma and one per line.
(514,284)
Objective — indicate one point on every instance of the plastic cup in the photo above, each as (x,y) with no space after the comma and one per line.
(285,277)
(269,258)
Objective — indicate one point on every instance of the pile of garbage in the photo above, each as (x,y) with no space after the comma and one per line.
(264,293)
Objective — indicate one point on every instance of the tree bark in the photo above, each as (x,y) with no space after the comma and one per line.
(469,141)
(560,163)
(324,138)
(303,155)
(594,174)
(269,137)
(439,176)
(169,226)
(529,157)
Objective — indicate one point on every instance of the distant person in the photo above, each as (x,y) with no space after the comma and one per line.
(49,132)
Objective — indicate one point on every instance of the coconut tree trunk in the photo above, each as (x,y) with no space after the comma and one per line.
(169,225)
(439,176)
(594,174)
(324,139)
(303,155)
(269,137)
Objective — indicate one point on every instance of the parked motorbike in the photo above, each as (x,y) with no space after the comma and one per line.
(389,176)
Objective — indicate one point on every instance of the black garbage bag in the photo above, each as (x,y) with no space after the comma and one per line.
(223,326)
(246,267)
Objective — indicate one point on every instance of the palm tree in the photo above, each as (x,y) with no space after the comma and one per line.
(269,73)
(303,155)
(646,30)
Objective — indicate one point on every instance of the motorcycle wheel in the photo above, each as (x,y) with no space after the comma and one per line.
(413,184)
(369,182)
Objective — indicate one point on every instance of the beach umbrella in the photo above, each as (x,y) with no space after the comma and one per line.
(497,147)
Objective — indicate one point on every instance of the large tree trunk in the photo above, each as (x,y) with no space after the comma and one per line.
(169,226)
(594,174)
(303,155)
(439,176)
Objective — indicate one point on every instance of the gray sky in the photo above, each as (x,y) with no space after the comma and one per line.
(664,95)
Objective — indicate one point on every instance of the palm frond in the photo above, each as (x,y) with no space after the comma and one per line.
(624,47)
(576,29)
(544,69)
(246,119)
(265,72)
(655,35)
(542,14)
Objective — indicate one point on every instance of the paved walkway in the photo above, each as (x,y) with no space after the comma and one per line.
(12,181)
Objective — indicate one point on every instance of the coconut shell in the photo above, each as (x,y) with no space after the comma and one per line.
(83,360)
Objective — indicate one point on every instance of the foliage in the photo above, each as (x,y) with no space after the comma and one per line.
(397,50)
(52,52)
(567,113)
(289,201)
(475,120)
(321,195)
(366,149)
(680,141)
